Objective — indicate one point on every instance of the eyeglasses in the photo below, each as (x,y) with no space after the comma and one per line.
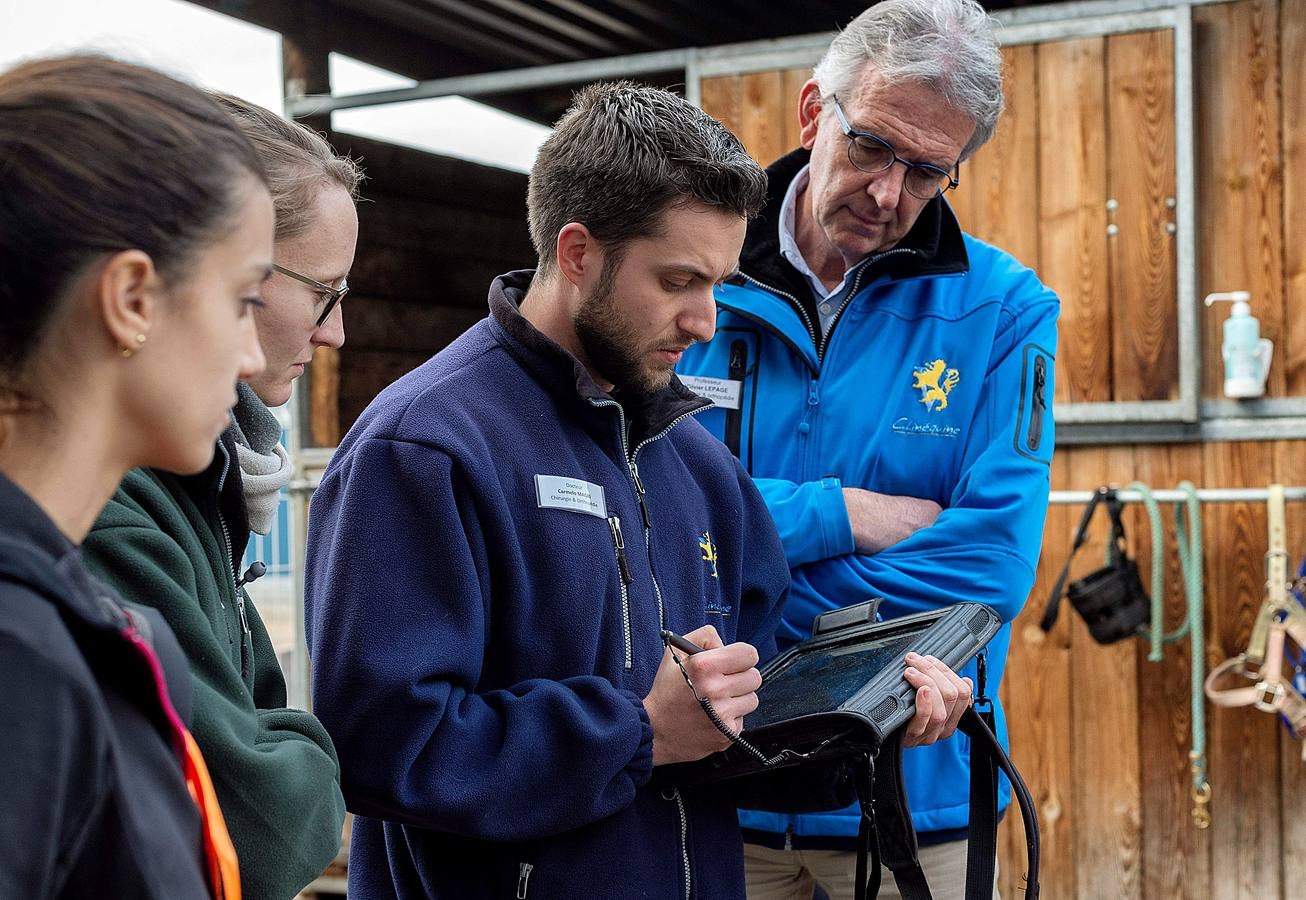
(872,154)
(332,296)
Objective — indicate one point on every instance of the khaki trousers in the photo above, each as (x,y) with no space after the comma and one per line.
(794,874)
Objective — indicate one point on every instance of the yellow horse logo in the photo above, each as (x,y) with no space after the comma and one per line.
(935,381)
(709,551)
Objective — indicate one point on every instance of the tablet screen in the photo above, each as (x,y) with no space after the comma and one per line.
(820,680)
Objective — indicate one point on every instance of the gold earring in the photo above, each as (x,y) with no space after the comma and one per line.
(128,351)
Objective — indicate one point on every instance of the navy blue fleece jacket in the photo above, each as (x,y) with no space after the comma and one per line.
(478,656)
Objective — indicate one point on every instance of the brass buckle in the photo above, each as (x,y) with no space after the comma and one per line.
(1249,668)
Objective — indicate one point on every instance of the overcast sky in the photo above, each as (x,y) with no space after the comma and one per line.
(217,51)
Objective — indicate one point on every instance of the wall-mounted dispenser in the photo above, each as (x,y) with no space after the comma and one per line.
(1246,354)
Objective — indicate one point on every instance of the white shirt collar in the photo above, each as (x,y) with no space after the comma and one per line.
(789,244)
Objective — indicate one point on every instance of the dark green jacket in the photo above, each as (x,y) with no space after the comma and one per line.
(161,542)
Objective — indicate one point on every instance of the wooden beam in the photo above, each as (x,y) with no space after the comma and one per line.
(361,36)
(445,31)
(305,58)
(416,174)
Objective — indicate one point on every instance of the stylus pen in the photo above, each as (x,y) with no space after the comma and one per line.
(682,644)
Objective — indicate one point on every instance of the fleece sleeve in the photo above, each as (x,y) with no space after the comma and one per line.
(399,594)
(985,544)
(274,770)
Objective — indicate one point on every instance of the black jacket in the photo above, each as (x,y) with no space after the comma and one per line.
(94,800)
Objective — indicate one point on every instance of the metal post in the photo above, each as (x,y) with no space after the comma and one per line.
(1189,324)
(305,69)
(301,692)
(693,78)
(1204,495)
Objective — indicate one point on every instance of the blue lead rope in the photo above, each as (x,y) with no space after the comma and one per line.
(1188,537)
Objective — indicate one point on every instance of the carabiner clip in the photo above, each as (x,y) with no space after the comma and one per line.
(1201,806)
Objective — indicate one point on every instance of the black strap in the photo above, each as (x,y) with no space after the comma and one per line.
(1059,589)
(982,736)
(887,811)
(867,845)
(893,831)
(982,846)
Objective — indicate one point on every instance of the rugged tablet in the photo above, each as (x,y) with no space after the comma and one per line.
(843,689)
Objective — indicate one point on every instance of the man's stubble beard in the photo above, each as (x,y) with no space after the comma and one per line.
(609,343)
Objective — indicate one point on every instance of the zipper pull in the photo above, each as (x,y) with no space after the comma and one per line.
(523,879)
(639,494)
(981,679)
(737,359)
(813,392)
(614,525)
(244,633)
(255,571)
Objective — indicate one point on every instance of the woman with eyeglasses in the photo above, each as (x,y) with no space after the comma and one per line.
(176,542)
(135,234)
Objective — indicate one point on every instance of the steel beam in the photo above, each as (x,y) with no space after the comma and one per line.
(1286,428)
(1185,112)
(1171,495)
(577,72)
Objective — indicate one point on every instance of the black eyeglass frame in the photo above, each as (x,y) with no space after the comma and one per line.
(334,295)
(854,136)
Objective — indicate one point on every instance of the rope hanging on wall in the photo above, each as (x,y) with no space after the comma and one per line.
(1188,540)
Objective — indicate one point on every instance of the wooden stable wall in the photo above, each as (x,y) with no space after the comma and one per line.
(1101,734)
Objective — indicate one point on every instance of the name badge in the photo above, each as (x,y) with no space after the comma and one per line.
(723,392)
(571,494)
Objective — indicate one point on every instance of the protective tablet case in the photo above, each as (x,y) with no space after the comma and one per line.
(842,691)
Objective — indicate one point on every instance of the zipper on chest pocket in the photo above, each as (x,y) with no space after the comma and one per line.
(735,417)
(625,579)
(523,879)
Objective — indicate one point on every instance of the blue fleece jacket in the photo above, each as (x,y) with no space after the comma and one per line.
(480,658)
(935,382)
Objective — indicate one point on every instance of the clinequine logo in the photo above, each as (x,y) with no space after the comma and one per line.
(709,551)
(935,381)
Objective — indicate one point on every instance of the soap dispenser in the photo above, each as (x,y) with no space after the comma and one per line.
(1246,354)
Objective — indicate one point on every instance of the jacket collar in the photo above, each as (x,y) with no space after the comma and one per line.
(34,552)
(563,374)
(935,240)
(219,489)
(27,522)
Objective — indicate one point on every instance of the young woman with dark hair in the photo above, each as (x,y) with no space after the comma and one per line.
(135,235)
(175,542)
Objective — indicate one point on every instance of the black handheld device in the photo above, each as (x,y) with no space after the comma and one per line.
(840,699)
(843,688)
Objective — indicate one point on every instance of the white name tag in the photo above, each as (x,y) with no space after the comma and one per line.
(571,494)
(723,392)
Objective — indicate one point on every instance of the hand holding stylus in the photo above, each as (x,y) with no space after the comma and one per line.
(726,675)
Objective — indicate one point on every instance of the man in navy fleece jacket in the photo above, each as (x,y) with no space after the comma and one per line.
(503,533)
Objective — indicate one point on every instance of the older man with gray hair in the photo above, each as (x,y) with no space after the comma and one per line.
(887,380)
